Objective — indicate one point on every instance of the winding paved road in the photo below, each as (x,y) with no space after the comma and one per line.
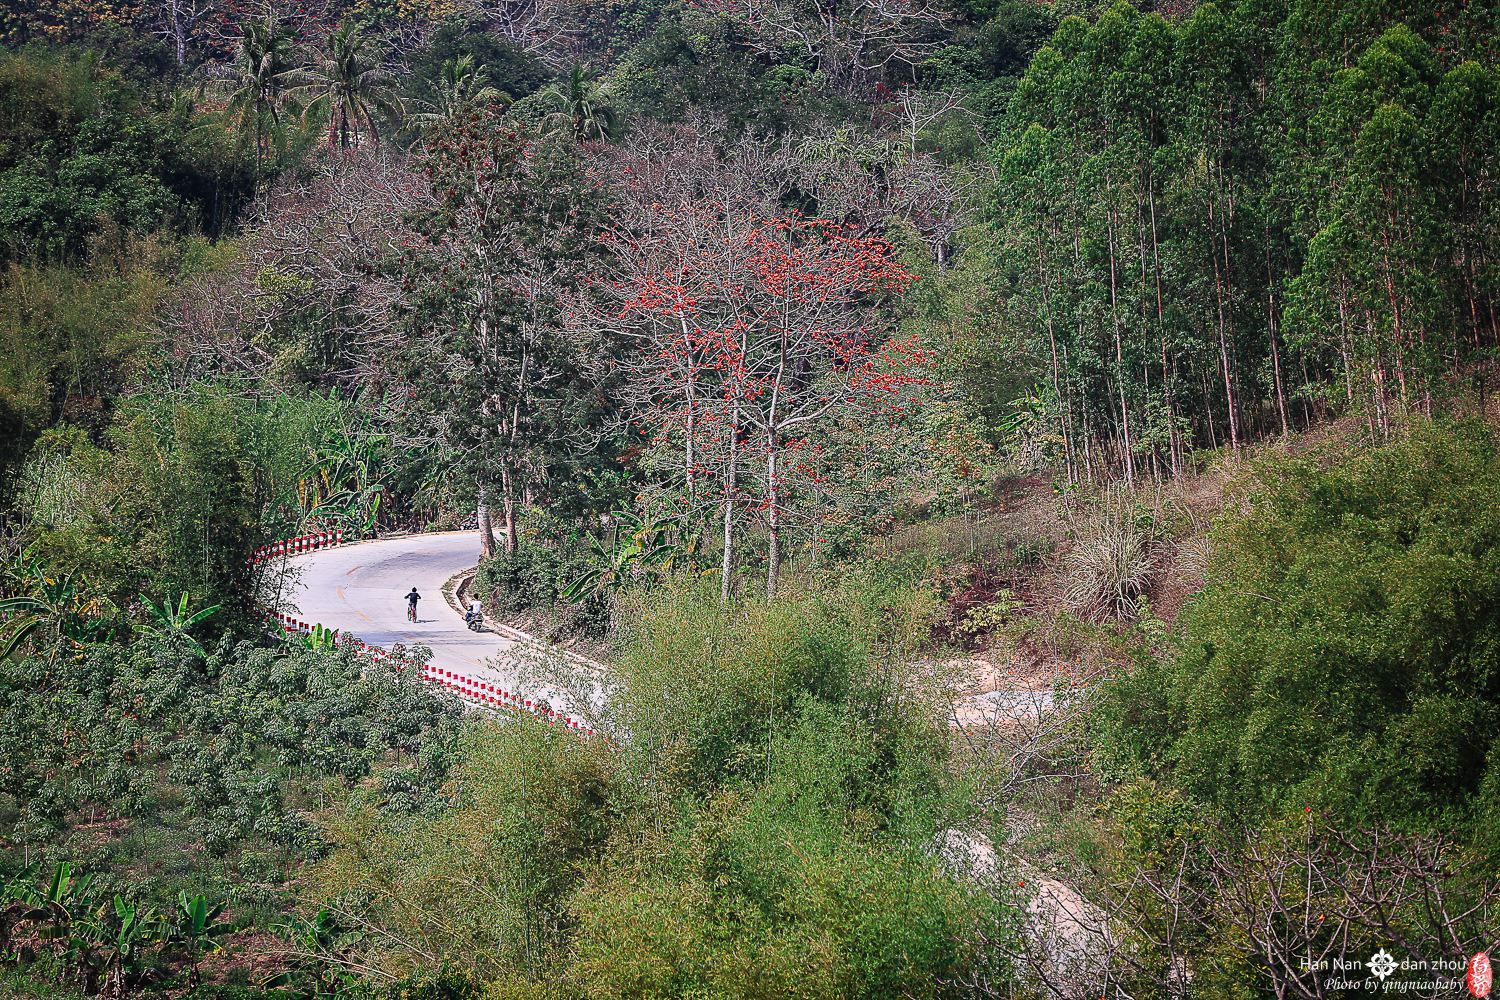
(360,589)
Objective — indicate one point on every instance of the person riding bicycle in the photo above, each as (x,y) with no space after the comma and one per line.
(411,603)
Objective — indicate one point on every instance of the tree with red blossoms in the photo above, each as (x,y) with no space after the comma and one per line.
(753,329)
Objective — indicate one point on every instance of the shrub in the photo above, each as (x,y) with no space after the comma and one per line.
(1346,650)
(761,824)
(533,578)
(224,748)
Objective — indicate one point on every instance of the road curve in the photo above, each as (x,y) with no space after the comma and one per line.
(360,589)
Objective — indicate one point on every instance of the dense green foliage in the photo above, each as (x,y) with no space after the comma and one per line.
(70,336)
(79,143)
(1344,655)
(1208,227)
(227,749)
(763,825)
(178,489)
(513,72)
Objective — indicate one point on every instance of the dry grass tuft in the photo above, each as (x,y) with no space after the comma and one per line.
(1113,559)
(1108,570)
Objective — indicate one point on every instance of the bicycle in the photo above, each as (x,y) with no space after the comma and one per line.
(411,612)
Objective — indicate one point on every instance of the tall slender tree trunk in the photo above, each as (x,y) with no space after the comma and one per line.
(1088,449)
(179,33)
(773,513)
(1114,308)
(1271,327)
(1306,381)
(1220,283)
(486,530)
(507,486)
(1208,412)
(773,491)
(1052,339)
(692,417)
(1174,442)
(731,484)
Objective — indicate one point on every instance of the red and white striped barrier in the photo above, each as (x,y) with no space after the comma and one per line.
(482,694)
(295,546)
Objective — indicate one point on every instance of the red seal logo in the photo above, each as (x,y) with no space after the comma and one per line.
(1479,978)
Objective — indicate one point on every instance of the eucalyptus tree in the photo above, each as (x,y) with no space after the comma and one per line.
(1462,120)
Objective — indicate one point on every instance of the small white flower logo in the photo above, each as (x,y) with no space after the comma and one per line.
(1382,964)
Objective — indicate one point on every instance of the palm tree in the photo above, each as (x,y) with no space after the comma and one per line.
(349,87)
(262,64)
(459,84)
(582,102)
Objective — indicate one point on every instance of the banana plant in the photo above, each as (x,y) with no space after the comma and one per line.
(16,897)
(21,885)
(89,940)
(106,943)
(30,607)
(173,623)
(120,935)
(194,927)
(51,911)
(318,638)
(637,545)
(55,605)
(319,947)
(343,480)
(62,895)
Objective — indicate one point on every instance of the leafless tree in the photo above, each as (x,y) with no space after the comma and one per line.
(306,21)
(178,21)
(312,250)
(1301,906)
(864,181)
(541,27)
(870,181)
(914,111)
(848,39)
(1014,739)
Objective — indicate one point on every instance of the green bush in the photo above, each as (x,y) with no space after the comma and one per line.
(1345,654)
(732,908)
(510,70)
(83,150)
(533,578)
(183,489)
(203,756)
(762,823)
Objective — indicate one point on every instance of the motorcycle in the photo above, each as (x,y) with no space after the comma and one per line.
(474,621)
